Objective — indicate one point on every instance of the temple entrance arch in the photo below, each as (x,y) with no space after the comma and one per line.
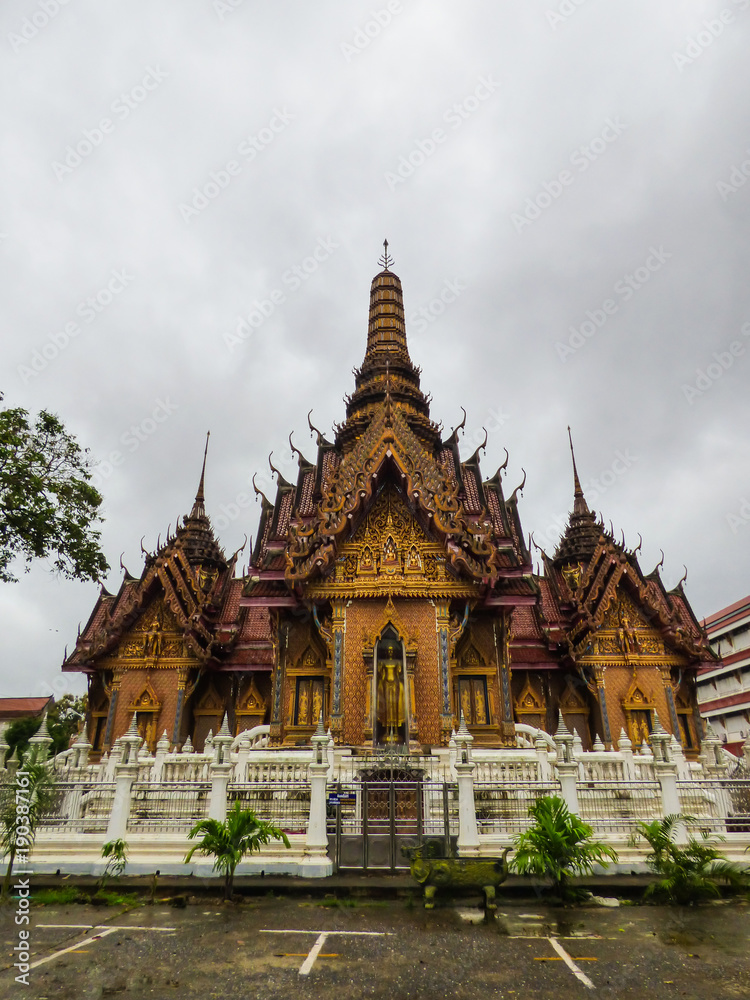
(390,724)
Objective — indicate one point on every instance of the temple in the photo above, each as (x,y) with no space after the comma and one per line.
(390,590)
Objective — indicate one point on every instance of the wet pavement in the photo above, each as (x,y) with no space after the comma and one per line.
(276,947)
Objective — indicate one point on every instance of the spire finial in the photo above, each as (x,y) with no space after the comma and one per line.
(199,509)
(385,258)
(579,501)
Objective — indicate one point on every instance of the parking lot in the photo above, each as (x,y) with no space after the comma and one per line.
(273,947)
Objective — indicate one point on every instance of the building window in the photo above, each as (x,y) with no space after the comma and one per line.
(308,702)
(472,700)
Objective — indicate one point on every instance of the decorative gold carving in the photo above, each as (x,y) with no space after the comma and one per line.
(146,701)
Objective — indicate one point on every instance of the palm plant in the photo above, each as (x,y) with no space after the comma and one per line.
(25,796)
(558,846)
(228,842)
(690,872)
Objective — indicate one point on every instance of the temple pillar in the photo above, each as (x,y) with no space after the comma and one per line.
(601,693)
(339,629)
(666,677)
(114,692)
(280,647)
(446,711)
(504,677)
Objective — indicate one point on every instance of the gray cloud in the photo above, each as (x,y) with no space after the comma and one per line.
(323,177)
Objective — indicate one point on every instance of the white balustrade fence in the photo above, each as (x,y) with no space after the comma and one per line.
(154,800)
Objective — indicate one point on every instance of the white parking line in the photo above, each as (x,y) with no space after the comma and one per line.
(102,931)
(321,940)
(73,947)
(313,954)
(570,963)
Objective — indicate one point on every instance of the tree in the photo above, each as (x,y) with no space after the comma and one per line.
(228,842)
(19,732)
(24,798)
(64,719)
(116,853)
(47,503)
(688,873)
(558,845)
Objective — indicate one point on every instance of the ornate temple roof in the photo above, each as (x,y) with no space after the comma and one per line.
(388,436)
(589,569)
(196,580)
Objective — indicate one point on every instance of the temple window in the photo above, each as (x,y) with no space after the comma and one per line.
(308,702)
(472,700)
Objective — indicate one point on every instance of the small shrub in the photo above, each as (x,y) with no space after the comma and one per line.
(557,846)
(688,873)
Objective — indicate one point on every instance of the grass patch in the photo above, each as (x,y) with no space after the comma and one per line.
(58,897)
(111,898)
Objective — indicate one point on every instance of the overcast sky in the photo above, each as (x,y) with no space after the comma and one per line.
(563,190)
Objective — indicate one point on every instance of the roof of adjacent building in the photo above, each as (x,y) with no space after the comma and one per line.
(15,708)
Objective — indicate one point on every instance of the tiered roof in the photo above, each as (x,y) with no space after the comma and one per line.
(388,435)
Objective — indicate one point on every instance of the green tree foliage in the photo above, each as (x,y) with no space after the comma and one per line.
(47,502)
(24,799)
(557,846)
(19,732)
(690,872)
(228,842)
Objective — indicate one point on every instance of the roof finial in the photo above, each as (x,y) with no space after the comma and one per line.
(199,509)
(579,501)
(385,258)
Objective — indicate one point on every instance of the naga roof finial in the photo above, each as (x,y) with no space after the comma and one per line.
(199,509)
(579,501)
(385,258)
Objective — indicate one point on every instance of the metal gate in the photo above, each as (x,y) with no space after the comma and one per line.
(372,820)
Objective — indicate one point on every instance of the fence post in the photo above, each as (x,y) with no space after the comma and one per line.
(665,770)
(713,762)
(316,838)
(566,765)
(41,741)
(468,835)
(126,771)
(625,745)
(220,770)
(542,750)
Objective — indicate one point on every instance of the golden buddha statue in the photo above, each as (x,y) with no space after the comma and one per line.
(391,714)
